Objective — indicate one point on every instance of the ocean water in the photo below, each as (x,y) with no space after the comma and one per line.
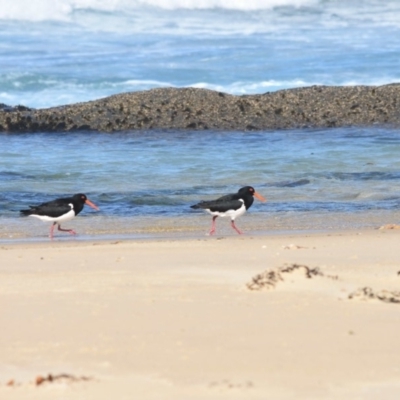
(66,51)
(145,182)
(55,52)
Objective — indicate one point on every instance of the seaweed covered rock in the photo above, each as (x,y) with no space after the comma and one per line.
(200,109)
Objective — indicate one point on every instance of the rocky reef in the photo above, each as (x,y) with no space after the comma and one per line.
(200,109)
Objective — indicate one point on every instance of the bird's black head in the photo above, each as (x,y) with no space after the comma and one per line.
(249,190)
(80,197)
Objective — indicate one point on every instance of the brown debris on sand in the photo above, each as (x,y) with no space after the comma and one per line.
(367,293)
(270,278)
(61,377)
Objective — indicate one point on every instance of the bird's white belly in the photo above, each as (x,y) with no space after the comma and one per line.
(66,217)
(230,213)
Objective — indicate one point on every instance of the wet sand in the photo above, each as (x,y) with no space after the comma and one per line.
(100,227)
(289,316)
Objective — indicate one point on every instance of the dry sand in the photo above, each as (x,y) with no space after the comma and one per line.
(175,319)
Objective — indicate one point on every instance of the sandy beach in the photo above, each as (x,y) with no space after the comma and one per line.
(280,316)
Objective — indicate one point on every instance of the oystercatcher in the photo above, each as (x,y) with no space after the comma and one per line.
(232,205)
(60,210)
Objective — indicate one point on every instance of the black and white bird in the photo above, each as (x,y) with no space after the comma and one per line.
(59,210)
(232,205)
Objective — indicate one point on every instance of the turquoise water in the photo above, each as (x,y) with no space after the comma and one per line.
(149,179)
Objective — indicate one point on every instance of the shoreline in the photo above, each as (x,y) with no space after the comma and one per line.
(175,318)
(108,239)
(196,226)
(192,236)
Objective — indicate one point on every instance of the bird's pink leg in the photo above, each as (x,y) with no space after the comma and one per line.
(212,230)
(235,228)
(52,230)
(71,231)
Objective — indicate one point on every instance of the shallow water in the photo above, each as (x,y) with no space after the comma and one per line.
(146,182)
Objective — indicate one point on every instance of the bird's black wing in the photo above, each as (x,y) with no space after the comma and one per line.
(222,204)
(53,208)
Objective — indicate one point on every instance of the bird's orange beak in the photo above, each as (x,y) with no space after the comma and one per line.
(259,197)
(89,203)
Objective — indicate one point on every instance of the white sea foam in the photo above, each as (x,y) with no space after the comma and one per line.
(227,4)
(371,11)
(41,10)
